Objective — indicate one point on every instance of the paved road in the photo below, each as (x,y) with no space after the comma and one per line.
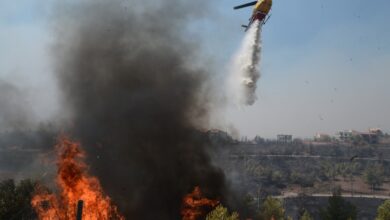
(293,195)
(303,156)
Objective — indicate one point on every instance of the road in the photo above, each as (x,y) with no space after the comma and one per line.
(294,195)
(234,156)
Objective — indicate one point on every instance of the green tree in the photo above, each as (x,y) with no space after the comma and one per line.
(357,140)
(384,211)
(15,200)
(272,209)
(306,216)
(374,176)
(221,213)
(344,170)
(276,176)
(338,209)
(329,170)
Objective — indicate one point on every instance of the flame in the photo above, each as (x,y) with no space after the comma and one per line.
(74,184)
(194,204)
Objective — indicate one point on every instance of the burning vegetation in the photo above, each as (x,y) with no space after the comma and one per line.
(195,205)
(74,184)
(136,100)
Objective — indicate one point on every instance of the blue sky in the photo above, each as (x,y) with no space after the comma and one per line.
(325,64)
(325,67)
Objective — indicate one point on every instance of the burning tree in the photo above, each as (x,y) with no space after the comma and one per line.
(74,184)
(194,205)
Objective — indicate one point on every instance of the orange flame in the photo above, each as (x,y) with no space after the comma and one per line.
(194,204)
(74,184)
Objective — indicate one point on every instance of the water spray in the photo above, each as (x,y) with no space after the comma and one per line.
(245,70)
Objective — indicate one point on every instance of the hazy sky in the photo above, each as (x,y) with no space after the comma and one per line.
(325,64)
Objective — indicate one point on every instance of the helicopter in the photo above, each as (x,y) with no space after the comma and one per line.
(260,11)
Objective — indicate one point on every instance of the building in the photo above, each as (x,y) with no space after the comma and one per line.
(371,137)
(284,138)
(376,131)
(345,135)
(322,138)
(216,135)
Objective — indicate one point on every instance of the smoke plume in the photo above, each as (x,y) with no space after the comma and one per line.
(15,109)
(244,70)
(135,100)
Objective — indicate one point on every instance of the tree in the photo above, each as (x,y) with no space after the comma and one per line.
(306,216)
(15,200)
(338,208)
(221,213)
(329,170)
(272,209)
(344,170)
(374,176)
(357,140)
(384,211)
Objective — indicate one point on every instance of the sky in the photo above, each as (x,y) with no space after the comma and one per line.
(325,64)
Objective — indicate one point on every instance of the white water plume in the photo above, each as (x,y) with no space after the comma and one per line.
(244,68)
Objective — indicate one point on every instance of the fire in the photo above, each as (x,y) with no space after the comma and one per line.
(194,204)
(74,184)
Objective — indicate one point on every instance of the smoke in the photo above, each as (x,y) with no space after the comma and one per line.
(244,70)
(136,101)
(22,137)
(15,109)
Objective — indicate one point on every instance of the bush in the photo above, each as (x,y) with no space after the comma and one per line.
(338,209)
(384,211)
(15,200)
(306,216)
(221,213)
(272,209)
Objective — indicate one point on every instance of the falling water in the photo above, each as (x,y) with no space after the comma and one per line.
(244,70)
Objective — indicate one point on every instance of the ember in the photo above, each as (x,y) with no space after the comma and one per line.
(74,184)
(194,205)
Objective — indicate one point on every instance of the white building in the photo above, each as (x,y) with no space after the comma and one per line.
(320,137)
(284,138)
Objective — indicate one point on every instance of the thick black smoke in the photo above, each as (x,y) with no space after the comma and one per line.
(135,101)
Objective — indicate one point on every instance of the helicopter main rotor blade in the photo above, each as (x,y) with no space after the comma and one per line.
(245,5)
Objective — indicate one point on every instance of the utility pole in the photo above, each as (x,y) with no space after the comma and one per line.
(352,164)
(79,214)
(258,196)
(351,184)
